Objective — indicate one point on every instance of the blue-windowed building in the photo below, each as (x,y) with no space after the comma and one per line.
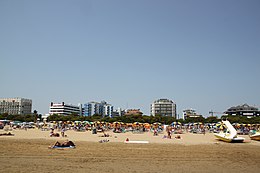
(102,108)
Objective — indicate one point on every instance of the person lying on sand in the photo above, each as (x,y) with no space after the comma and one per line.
(7,134)
(105,135)
(66,143)
(178,137)
(102,141)
(52,134)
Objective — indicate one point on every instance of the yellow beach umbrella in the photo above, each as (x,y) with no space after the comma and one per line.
(220,125)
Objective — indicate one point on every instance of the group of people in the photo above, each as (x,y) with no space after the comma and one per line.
(170,130)
(53,134)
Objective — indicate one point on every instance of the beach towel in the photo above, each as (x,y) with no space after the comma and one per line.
(60,147)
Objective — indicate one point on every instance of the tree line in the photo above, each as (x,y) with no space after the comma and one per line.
(129,118)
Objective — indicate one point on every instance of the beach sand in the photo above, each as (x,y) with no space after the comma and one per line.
(28,151)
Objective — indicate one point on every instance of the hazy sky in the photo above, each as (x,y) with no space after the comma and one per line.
(201,54)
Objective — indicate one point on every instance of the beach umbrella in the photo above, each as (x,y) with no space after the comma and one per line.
(236,124)
(147,125)
(136,124)
(129,124)
(41,123)
(16,122)
(175,123)
(192,124)
(116,122)
(244,125)
(86,122)
(220,125)
(156,124)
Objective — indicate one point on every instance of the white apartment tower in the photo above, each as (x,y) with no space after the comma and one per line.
(107,110)
(164,107)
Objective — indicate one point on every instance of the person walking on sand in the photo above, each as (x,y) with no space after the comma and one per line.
(155,133)
(169,132)
(63,130)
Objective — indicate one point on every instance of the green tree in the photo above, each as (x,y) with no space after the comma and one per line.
(212,119)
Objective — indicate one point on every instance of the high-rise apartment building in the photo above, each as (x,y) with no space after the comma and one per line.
(102,108)
(64,109)
(15,106)
(107,110)
(164,107)
(91,108)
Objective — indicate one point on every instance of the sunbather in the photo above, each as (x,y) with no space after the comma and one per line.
(7,134)
(178,137)
(66,143)
(105,135)
(102,141)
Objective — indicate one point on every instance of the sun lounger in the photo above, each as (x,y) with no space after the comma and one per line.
(127,141)
(136,142)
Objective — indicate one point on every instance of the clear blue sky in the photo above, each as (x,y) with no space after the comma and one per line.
(202,54)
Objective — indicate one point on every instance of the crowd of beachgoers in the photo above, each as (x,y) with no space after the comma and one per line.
(59,128)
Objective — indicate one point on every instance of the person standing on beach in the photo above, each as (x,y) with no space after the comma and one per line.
(168,129)
(63,130)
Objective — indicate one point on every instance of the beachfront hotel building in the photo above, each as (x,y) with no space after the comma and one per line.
(64,109)
(98,108)
(15,106)
(118,112)
(190,113)
(243,110)
(164,107)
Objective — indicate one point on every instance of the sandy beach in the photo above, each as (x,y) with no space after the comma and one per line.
(27,151)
